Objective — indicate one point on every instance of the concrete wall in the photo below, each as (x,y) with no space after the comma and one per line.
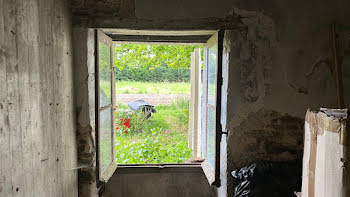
(37,119)
(149,182)
(84,68)
(279,66)
(277,60)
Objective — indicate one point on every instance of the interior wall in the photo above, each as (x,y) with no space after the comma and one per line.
(84,78)
(37,119)
(280,65)
(277,57)
(149,182)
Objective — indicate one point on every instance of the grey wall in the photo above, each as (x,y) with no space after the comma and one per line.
(37,120)
(279,65)
(84,69)
(149,182)
(277,57)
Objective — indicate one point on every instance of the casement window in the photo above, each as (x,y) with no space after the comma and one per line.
(105,100)
(211,130)
(211,107)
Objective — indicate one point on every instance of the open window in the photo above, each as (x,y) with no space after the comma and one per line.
(211,107)
(105,101)
(210,127)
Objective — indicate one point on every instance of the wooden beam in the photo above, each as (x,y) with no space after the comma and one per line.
(232,22)
(160,39)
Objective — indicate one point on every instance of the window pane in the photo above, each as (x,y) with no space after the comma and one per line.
(211,136)
(105,74)
(212,61)
(105,139)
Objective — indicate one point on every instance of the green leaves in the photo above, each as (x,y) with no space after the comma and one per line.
(155,146)
(143,62)
(152,56)
(160,139)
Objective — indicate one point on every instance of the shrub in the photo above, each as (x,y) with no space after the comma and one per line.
(154,146)
(162,73)
(160,139)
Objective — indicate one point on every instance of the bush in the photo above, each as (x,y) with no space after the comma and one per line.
(160,139)
(155,146)
(162,73)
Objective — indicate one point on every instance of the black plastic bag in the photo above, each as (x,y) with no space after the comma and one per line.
(276,179)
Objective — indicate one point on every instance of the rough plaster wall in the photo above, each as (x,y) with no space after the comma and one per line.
(153,9)
(111,8)
(177,9)
(279,65)
(84,65)
(37,120)
(150,182)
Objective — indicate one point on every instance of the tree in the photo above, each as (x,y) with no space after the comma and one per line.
(145,56)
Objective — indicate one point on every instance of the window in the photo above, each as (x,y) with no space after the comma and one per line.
(211,130)
(211,107)
(105,100)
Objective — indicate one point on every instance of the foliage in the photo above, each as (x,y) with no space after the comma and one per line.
(162,73)
(160,139)
(154,146)
(144,62)
(152,56)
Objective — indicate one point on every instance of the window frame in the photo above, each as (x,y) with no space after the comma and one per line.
(213,175)
(103,177)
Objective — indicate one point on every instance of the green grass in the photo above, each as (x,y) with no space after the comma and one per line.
(136,87)
(160,139)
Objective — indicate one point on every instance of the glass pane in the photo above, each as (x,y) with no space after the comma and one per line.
(211,136)
(105,139)
(212,62)
(105,74)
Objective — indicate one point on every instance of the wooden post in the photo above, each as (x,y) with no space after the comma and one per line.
(194,133)
(191,109)
(197,103)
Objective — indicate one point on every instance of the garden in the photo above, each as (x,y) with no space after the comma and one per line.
(156,70)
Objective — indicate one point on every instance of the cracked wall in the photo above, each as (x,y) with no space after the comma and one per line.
(279,65)
(84,87)
(276,57)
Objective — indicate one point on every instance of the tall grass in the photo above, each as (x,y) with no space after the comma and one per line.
(161,138)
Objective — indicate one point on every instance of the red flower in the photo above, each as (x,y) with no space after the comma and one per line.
(127,123)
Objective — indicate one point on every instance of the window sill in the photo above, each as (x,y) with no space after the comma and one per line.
(159,168)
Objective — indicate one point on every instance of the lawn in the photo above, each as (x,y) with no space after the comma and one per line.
(159,139)
(136,87)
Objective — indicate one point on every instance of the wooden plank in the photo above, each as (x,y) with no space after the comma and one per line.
(71,180)
(161,39)
(57,97)
(34,94)
(196,103)
(5,154)
(157,32)
(10,13)
(190,119)
(163,24)
(113,140)
(24,96)
(45,44)
(199,92)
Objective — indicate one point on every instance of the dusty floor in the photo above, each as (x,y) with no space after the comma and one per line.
(154,99)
